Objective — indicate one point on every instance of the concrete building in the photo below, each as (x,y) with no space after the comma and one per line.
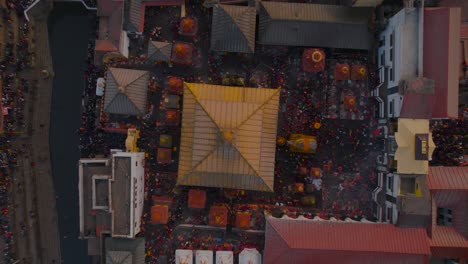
(111,195)
(398,57)
(415,44)
(111,36)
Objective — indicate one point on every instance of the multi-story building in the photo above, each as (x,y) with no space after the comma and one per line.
(111,195)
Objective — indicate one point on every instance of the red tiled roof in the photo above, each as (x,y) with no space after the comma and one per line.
(441,57)
(448,178)
(339,242)
(447,242)
(104,45)
(418,106)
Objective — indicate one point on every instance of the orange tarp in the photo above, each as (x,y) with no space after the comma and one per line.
(243,219)
(196,199)
(159,214)
(342,72)
(350,102)
(174,85)
(313,60)
(315,172)
(182,53)
(218,216)
(358,72)
(164,155)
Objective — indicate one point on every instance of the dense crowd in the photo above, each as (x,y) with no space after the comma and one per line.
(16,57)
(450,138)
(346,143)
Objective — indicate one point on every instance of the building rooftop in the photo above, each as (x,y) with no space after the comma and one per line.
(125,251)
(333,242)
(121,199)
(228,137)
(126,91)
(233,28)
(299,24)
(90,217)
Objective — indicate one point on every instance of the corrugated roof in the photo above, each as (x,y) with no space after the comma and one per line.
(125,251)
(126,91)
(228,137)
(441,57)
(233,28)
(159,51)
(448,178)
(135,14)
(298,24)
(418,106)
(447,236)
(336,239)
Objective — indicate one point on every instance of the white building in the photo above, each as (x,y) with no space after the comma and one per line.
(111,195)
(398,56)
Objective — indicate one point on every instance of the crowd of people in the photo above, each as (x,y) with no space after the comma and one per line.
(15,58)
(344,143)
(450,138)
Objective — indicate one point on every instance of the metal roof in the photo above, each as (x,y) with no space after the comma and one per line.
(342,242)
(448,178)
(418,106)
(298,24)
(126,91)
(125,251)
(441,58)
(159,51)
(228,137)
(233,28)
(134,15)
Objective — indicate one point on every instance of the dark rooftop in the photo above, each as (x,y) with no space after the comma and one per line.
(121,195)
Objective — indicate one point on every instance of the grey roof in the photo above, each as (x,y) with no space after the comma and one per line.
(233,28)
(298,24)
(134,15)
(121,195)
(159,51)
(126,91)
(125,251)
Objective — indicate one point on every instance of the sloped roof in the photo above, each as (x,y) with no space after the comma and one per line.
(300,24)
(126,91)
(125,251)
(159,51)
(110,24)
(342,242)
(228,137)
(405,153)
(233,28)
(418,106)
(135,15)
(448,178)
(441,57)
(105,45)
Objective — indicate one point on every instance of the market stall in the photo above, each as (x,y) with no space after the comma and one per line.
(159,214)
(250,256)
(243,220)
(358,72)
(218,215)
(341,72)
(203,257)
(313,60)
(196,199)
(224,257)
(183,256)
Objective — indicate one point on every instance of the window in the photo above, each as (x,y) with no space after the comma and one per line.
(390,183)
(389,214)
(382,59)
(444,216)
(382,42)
(390,107)
(392,74)
(391,54)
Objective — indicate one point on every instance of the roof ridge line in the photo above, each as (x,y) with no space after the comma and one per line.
(256,110)
(201,106)
(237,25)
(136,79)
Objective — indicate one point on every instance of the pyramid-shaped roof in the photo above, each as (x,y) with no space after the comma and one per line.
(159,51)
(118,257)
(233,28)
(126,91)
(125,251)
(228,137)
